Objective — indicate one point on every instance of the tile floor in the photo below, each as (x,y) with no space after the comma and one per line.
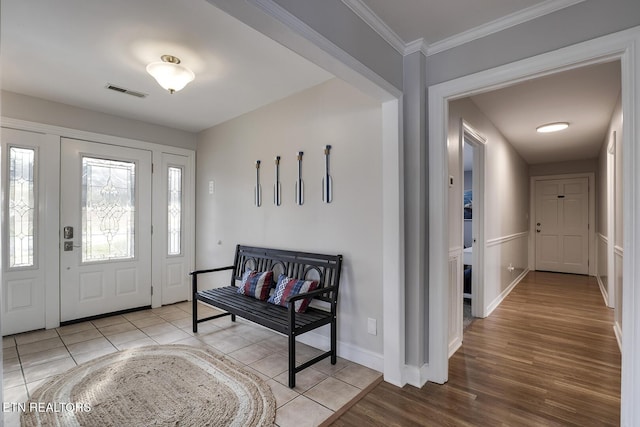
(321,390)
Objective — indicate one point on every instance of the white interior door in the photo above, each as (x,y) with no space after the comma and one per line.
(562,225)
(105,229)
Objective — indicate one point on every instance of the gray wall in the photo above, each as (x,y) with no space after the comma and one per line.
(584,21)
(506,198)
(23,107)
(330,113)
(415,156)
(335,21)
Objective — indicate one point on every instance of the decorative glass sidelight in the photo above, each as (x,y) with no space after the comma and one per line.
(22,207)
(174,211)
(108,209)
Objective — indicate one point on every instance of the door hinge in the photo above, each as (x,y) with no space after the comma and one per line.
(152,291)
(152,229)
(151,167)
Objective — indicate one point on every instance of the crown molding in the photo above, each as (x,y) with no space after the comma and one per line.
(279,13)
(418,45)
(379,26)
(500,24)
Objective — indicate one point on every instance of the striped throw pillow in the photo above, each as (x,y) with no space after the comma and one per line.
(287,287)
(256,284)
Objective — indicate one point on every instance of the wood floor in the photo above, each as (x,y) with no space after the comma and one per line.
(546,357)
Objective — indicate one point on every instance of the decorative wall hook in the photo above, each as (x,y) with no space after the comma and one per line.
(299,182)
(257,192)
(277,190)
(327,181)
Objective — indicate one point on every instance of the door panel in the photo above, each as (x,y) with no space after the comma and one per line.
(105,264)
(562,225)
(175,252)
(23,225)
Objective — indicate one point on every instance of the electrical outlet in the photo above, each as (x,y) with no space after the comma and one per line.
(372,327)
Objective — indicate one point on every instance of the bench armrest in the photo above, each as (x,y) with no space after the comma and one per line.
(312,293)
(211,270)
(194,277)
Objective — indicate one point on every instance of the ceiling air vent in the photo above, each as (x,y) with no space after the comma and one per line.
(127,91)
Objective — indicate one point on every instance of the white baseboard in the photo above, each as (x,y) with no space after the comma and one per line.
(496,302)
(603,291)
(455,345)
(418,376)
(347,351)
(618,331)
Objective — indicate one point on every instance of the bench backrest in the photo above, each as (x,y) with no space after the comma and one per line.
(300,265)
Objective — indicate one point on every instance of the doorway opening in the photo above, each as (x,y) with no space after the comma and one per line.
(596,51)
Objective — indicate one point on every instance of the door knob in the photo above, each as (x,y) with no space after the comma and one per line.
(537,231)
(68,246)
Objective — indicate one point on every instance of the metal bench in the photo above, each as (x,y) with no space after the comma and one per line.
(299,265)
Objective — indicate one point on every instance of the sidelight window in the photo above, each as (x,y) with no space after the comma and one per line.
(174,213)
(22,200)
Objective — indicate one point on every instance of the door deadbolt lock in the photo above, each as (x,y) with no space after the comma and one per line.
(67,232)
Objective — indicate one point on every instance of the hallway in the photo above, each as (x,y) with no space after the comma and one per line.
(546,356)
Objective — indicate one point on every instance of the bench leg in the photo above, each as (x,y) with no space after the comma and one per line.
(292,361)
(194,314)
(334,341)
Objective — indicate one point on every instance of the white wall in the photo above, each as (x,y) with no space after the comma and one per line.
(506,201)
(560,168)
(606,240)
(331,113)
(23,107)
(616,126)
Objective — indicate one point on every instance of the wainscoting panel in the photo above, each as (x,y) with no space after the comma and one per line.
(455,299)
(618,255)
(506,260)
(601,265)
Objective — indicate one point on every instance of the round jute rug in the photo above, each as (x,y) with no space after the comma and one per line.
(167,385)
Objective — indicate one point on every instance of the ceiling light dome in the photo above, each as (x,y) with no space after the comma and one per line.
(552,127)
(170,74)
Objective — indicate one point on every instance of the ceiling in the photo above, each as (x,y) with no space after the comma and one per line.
(70,49)
(584,97)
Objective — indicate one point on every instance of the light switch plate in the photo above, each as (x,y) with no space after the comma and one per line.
(372,327)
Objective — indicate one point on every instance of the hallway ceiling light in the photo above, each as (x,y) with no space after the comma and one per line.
(170,74)
(552,127)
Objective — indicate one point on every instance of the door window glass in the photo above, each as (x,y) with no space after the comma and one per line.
(174,214)
(22,207)
(108,209)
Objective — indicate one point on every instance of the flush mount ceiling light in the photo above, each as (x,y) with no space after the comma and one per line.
(170,74)
(552,127)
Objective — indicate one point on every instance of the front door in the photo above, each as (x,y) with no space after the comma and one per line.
(105,229)
(562,225)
